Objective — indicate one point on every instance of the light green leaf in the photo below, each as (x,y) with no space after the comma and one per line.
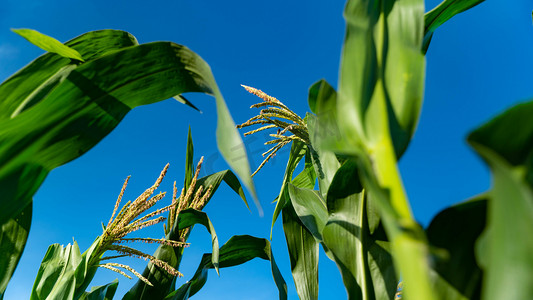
(48,44)
(506,259)
(189,164)
(68,116)
(237,250)
(310,208)
(298,150)
(442,13)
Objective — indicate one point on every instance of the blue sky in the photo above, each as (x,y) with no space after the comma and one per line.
(478,64)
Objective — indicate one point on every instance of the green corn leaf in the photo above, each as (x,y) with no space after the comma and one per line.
(363,257)
(324,161)
(184,100)
(189,164)
(12,241)
(237,250)
(311,209)
(378,105)
(302,246)
(68,116)
(303,254)
(453,234)
(103,292)
(298,150)
(323,97)
(64,272)
(48,44)
(442,13)
(227,176)
(502,250)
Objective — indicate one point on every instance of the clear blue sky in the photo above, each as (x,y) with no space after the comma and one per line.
(478,64)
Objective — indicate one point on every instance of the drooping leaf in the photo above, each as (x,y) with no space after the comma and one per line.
(12,241)
(48,44)
(237,250)
(502,251)
(453,233)
(442,13)
(103,292)
(183,100)
(45,123)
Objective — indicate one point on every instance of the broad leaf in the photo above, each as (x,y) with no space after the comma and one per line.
(363,257)
(503,251)
(442,13)
(302,246)
(237,250)
(310,208)
(53,111)
(453,233)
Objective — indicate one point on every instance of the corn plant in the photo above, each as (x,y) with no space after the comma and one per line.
(64,102)
(360,214)
(65,273)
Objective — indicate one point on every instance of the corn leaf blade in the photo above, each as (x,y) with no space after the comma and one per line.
(48,44)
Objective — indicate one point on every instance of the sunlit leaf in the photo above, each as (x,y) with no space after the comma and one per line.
(48,44)
(453,234)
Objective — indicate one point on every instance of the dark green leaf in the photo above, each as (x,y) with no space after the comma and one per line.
(442,13)
(453,232)
(236,251)
(48,44)
(12,241)
(103,292)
